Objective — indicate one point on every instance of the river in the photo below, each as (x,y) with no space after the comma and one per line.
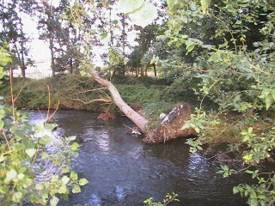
(123,171)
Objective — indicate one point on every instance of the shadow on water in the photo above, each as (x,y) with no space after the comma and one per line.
(123,171)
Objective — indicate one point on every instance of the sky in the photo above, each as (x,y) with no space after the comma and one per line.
(39,50)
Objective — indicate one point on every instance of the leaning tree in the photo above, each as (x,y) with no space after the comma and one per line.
(169,127)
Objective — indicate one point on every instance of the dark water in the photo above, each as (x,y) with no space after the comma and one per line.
(123,171)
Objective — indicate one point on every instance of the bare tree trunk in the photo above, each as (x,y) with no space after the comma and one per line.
(138,119)
(169,128)
(52,57)
(71,66)
(155,70)
(23,71)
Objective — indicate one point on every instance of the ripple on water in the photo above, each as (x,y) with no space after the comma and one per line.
(120,193)
(94,200)
(123,171)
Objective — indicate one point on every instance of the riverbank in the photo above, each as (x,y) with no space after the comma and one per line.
(83,93)
(248,138)
(148,95)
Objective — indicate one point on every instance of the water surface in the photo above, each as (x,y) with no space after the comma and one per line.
(123,171)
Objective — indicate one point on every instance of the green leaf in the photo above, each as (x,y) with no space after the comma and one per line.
(265,93)
(268,102)
(144,16)
(54,178)
(76,189)
(27,182)
(128,6)
(65,179)
(235,190)
(44,155)
(247,158)
(2,113)
(17,197)
(2,158)
(45,140)
(12,174)
(114,57)
(246,138)
(54,201)
(83,181)
(191,43)
(30,152)
(103,36)
(51,126)
(5,57)
(20,176)
(1,124)
(204,5)
(2,74)
(74,176)
(39,187)
(74,146)
(215,57)
(171,4)
(197,129)
(62,189)
(273,94)
(65,170)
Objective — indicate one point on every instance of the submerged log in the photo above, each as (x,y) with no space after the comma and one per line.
(106,116)
(171,126)
(168,129)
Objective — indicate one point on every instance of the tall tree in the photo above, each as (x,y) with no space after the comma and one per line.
(12,32)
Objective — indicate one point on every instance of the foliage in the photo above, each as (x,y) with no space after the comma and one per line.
(79,92)
(35,165)
(146,99)
(66,90)
(236,71)
(169,198)
(12,32)
(141,13)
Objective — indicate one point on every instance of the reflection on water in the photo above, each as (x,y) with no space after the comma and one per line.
(94,200)
(196,165)
(124,171)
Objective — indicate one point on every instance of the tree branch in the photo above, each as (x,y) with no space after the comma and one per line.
(140,121)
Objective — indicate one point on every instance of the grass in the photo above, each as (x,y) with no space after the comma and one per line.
(74,92)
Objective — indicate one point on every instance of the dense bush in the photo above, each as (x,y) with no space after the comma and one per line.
(235,69)
(30,171)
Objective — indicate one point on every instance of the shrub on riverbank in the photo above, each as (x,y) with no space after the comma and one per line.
(30,172)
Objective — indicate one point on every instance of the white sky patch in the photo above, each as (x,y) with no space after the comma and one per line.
(54,3)
(39,50)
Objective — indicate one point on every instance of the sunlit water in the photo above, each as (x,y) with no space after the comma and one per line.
(123,171)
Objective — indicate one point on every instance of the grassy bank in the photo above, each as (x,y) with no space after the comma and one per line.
(74,92)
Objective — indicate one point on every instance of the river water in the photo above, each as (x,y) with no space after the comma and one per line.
(123,171)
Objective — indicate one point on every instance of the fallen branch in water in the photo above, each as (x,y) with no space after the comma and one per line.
(170,127)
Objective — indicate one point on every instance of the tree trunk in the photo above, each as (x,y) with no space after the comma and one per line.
(155,70)
(52,57)
(168,129)
(171,125)
(23,71)
(71,66)
(139,120)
